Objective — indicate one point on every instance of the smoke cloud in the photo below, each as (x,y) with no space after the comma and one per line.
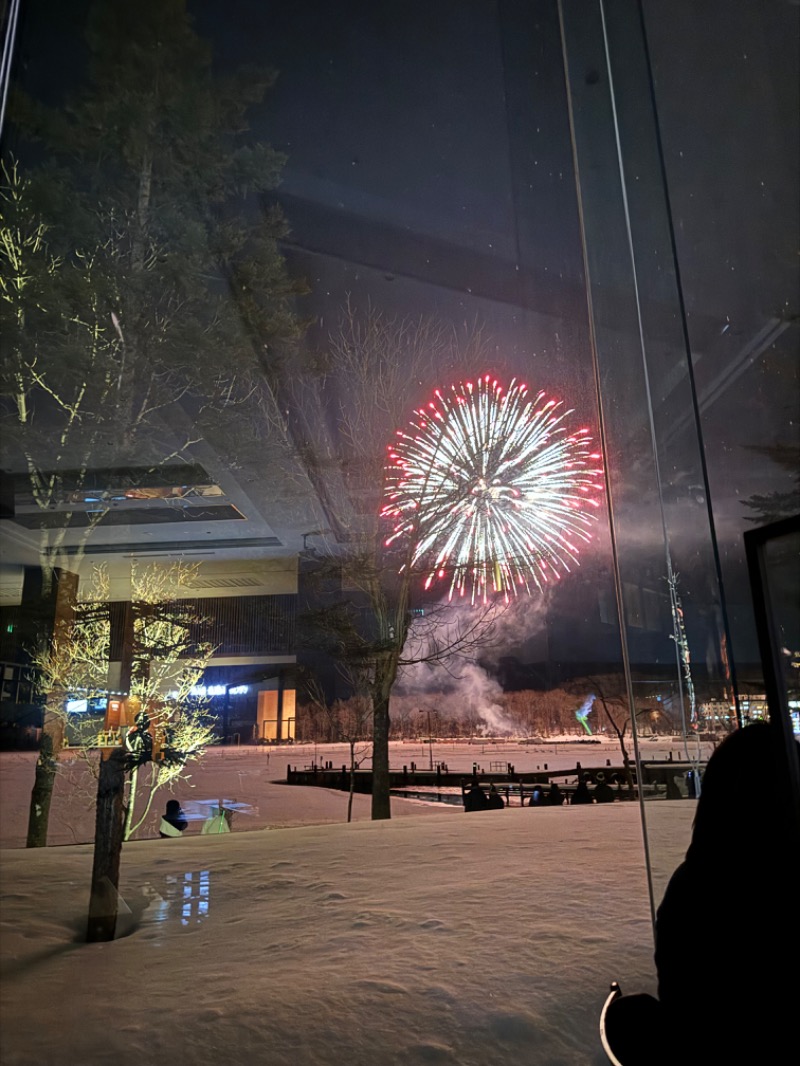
(456,682)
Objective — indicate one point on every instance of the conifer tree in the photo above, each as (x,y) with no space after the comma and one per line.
(145,303)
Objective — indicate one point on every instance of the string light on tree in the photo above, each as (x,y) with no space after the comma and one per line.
(491,489)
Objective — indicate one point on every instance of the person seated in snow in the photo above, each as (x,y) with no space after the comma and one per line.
(582,793)
(173,821)
(743,856)
(603,792)
(475,799)
(218,821)
(537,796)
(555,797)
(495,801)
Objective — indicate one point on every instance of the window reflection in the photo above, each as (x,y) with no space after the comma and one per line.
(184,898)
(218,329)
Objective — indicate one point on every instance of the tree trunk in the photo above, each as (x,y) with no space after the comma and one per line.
(352,780)
(381,803)
(626,763)
(50,745)
(107,848)
(48,599)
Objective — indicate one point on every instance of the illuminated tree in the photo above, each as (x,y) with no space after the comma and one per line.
(71,660)
(142,279)
(167,663)
(144,301)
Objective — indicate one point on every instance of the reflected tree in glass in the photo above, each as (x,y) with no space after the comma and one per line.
(144,298)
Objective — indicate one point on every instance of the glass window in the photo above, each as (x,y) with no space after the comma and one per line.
(332,329)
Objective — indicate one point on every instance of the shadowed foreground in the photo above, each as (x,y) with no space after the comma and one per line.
(487,937)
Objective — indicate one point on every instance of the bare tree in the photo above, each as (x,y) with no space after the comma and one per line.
(130,259)
(350,721)
(73,659)
(167,662)
(610,692)
(347,403)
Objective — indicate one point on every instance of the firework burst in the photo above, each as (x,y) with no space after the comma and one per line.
(491,490)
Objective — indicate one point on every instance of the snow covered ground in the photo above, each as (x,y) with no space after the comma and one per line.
(252,782)
(437,937)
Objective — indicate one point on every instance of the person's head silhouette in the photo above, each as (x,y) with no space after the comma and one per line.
(732,818)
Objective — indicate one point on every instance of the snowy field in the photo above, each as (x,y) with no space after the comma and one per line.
(438,937)
(251,780)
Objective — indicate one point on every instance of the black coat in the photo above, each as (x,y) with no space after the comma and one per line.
(582,794)
(727,937)
(176,820)
(476,799)
(604,793)
(732,959)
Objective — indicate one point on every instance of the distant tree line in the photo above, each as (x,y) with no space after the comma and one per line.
(526,714)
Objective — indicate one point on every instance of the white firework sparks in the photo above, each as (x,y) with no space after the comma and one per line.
(491,490)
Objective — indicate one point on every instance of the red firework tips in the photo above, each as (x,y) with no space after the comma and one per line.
(490,490)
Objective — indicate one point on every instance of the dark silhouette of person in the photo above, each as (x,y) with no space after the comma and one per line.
(691,784)
(475,799)
(173,821)
(673,792)
(603,792)
(555,797)
(495,801)
(582,793)
(724,992)
(537,796)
